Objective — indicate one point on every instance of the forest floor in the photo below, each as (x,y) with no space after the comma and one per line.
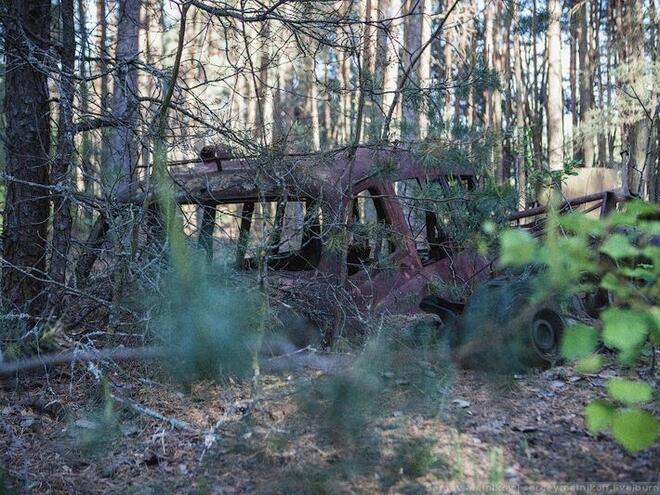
(527,432)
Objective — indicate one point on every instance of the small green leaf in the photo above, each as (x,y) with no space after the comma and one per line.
(575,254)
(589,364)
(598,416)
(627,357)
(654,318)
(652,253)
(579,341)
(641,272)
(623,329)
(611,283)
(517,247)
(634,429)
(634,213)
(630,392)
(643,209)
(618,246)
(580,223)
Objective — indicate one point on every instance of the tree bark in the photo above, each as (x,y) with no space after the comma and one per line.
(86,167)
(368,68)
(572,76)
(27,30)
(312,103)
(424,69)
(521,97)
(61,171)
(448,63)
(495,116)
(638,132)
(123,142)
(389,56)
(586,84)
(488,59)
(554,101)
(104,90)
(410,125)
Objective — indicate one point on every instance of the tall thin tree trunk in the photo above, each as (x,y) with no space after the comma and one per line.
(448,62)
(610,55)
(496,107)
(638,132)
(586,84)
(122,141)
(537,110)
(367,66)
(391,10)
(61,171)
(461,47)
(572,75)
(345,101)
(104,90)
(262,89)
(488,59)
(554,101)
(327,102)
(312,103)
(410,128)
(507,114)
(86,167)
(424,69)
(601,137)
(26,25)
(521,98)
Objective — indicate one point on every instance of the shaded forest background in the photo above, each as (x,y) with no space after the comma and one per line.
(100,96)
(520,87)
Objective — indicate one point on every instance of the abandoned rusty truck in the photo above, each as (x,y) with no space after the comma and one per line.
(287,215)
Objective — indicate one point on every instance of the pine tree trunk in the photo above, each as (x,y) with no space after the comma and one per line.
(61,171)
(327,103)
(521,98)
(312,104)
(586,84)
(87,169)
(638,134)
(424,69)
(496,107)
(410,129)
(447,55)
(122,141)
(554,101)
(572,76)
(104,90)
(601,138)
(26,26)
(488,60)
(367,67)
(389,55)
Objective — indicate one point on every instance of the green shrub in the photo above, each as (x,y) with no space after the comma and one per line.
(616,257)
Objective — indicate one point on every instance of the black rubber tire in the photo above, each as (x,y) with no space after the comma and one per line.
(502,331)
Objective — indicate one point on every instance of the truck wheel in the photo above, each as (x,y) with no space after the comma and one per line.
(546,330)
(503,332)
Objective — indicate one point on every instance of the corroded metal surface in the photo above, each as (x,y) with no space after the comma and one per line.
(406,277)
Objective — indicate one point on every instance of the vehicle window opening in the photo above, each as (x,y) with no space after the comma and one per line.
(427,206)
(371,242)
(285,233)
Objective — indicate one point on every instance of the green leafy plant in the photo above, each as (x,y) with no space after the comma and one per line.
(616,258)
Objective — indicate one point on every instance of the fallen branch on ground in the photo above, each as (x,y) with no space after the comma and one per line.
(303,358)
(115,354)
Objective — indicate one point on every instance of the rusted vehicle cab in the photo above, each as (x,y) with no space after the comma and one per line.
(290,217)
(377,220)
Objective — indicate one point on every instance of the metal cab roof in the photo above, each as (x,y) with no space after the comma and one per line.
(231,180)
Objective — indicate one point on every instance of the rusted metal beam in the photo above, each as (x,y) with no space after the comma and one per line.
(539,210)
